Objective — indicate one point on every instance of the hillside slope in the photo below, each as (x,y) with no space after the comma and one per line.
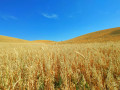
(7,39)
(112,34)
(12,40)
(43,41)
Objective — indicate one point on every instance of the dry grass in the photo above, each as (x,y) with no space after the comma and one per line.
(107,35)
(11,39)
(43,41)
(93,66)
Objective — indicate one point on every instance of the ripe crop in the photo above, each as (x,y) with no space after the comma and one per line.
(90,66)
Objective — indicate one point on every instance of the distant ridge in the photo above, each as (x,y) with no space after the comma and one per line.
(43,41)
(6,39)
(11,39)
(106,35)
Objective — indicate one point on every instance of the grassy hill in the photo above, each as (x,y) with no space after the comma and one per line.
(7,39)
(12,40)
(112,34)
(43,41)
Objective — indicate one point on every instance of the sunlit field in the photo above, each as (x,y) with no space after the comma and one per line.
(93,66)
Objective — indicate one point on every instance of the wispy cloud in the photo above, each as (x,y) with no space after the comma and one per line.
(52,16)
(70,16)
(8,17)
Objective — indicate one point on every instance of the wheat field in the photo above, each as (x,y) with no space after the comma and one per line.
(92,66)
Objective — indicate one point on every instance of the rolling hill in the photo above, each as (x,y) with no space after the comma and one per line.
(112,34)
(7,39)
(106,35)
(43,41)
(12,40)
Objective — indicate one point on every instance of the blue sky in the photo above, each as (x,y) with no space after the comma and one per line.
(56,20)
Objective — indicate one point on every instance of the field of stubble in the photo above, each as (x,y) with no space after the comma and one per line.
(93,66)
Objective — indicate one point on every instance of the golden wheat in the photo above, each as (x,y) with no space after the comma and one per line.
(89,66)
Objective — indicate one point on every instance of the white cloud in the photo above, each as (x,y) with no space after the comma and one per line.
(13,17)
(70,16)
(52,16)
(8,17)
